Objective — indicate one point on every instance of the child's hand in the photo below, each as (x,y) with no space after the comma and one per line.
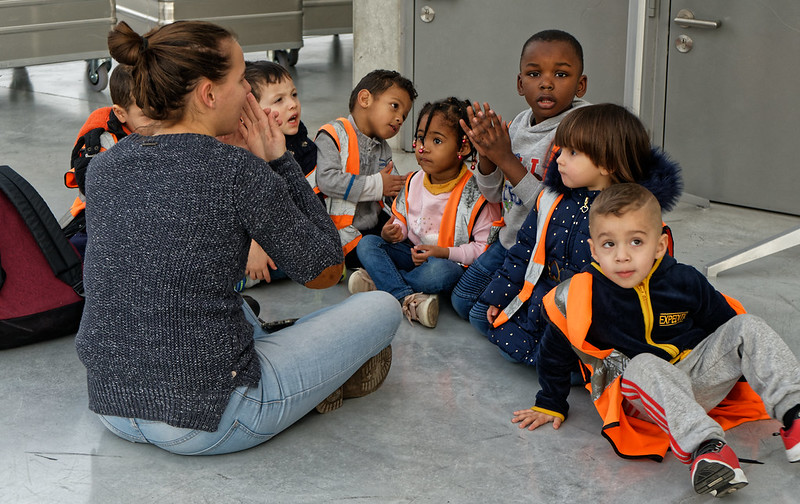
(476,125)
(492,314)
(391,232)
(259,263)
(391,183)
(421,253)
(261,131)
(533,419)
(489,134)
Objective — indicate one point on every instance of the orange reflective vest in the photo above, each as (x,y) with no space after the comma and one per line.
(546,203)
(462,209)
(86,149)
(341,210)
(569,308)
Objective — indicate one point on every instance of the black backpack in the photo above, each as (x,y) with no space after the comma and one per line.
(41,275)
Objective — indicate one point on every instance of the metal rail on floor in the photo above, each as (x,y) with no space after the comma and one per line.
(777,243)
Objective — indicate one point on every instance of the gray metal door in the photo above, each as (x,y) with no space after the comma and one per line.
(471,48)
(732,118)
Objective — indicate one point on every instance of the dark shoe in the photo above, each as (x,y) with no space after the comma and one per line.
(366,380)
(716,470)
(277,325)
(252,303)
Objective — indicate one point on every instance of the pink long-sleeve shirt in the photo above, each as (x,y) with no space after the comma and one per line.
(425,212)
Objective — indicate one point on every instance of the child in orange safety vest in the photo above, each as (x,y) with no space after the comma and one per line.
(598,146)
(354,162)
(103,129)
(661,351)
(440,222)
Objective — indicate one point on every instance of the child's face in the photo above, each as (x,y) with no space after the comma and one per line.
(577,170)
(440,148)
(133,118)
(385,112)
(281,97)
(627,246)
(136,120)
(550,78)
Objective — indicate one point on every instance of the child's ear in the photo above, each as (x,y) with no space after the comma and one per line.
(591,248)
(581,90)
(120,112)
(364,98)
(465,147)
(663,242)
(520,91)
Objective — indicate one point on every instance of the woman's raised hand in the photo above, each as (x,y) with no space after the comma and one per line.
(261,131)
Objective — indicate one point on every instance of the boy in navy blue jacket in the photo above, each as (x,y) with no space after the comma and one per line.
(662,351)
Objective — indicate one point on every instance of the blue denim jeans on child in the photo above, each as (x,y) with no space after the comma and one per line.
(300,366)
(472,284)
(392,269)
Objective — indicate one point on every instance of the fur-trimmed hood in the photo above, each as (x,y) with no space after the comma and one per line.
(663,180)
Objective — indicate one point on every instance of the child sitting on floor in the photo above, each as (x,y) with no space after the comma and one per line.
(354,162)
(103,129)
(600,145)
(440,220)
(273,87)
(513,157)
(660,350)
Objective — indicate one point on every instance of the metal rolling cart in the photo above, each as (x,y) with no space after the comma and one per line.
(323,17)
(259,25)
(37,32)
(320,17)
(327,17)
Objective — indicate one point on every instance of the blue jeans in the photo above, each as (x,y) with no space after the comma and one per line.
(301,365)
(392,269)
(472,284)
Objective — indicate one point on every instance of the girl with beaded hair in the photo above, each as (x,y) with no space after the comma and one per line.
(440,219)
(173,356)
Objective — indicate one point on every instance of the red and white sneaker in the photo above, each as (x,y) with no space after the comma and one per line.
(791,439)
(716,470)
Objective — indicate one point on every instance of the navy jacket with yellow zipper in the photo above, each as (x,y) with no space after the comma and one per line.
(667,315)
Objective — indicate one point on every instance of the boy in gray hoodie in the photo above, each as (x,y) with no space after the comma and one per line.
(513,157)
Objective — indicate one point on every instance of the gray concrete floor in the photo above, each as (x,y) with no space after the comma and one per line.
(437,431)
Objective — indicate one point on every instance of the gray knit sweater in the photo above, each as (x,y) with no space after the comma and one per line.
(169,220)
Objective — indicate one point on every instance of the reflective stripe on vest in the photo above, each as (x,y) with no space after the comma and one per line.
(545,205)
(569,308)
(311,178)
(458,219)
(341,210)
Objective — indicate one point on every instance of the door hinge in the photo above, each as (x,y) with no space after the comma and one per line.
(652,7)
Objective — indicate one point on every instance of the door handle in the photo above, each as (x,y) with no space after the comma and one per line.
(686,19)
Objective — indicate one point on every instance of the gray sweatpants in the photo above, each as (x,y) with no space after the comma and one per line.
(678,397)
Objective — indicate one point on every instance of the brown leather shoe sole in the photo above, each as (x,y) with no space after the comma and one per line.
(369,377)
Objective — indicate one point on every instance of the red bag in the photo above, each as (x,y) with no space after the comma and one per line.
(41,276)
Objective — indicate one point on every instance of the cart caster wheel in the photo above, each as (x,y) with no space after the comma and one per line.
(281,57)
(294,54)
(97,74)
